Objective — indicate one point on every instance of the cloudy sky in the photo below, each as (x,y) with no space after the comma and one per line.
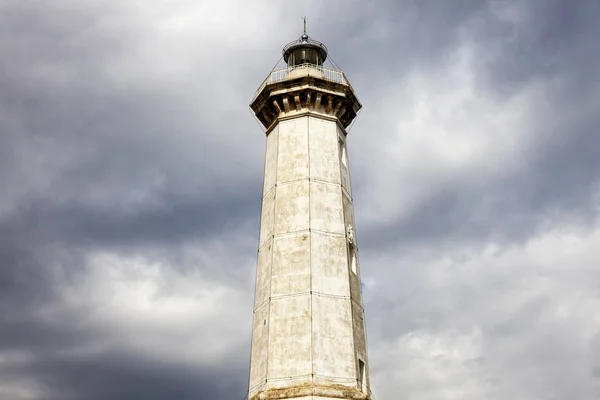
(131,176)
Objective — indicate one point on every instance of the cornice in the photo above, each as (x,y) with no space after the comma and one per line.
(296,96)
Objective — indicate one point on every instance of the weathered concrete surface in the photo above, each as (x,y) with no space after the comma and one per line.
(309,336)
(312,391)
(302,92)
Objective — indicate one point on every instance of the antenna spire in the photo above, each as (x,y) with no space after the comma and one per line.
(304,18)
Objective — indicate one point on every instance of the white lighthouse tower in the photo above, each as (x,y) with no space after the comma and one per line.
(309,332)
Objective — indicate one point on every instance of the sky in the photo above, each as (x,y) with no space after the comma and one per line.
(131,176)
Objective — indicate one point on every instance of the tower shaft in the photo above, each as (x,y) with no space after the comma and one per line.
(309,331)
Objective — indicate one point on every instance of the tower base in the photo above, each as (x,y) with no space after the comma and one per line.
(312,392)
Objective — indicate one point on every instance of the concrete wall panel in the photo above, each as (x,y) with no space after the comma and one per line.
(267,220)
(292,207)
(324,158)
(263,274)
(360,344)
(355,292)
(329,264)
(333,350)
(326,213)
(260,341)
(292,158)
(291,264)
(290,338)
(271,160)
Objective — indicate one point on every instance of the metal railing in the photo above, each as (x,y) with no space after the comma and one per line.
(280,75)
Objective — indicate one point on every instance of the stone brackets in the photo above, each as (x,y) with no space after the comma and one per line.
(306,93)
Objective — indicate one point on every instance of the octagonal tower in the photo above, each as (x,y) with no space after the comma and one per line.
(309,332)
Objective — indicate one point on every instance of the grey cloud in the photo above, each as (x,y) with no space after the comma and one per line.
(531,323)
(174,221)
(122,375)
(75,147)
(99,145)
(555,39)
(45,336)
(22,280)
(557,182)
(77,143)
(378,43)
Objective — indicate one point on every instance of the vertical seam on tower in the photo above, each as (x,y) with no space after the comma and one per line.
(254,308)
(349,272)
(310,269)
(358,275)
(272,252)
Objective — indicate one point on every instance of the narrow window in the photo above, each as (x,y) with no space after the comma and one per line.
(352,257)
(343,158)
(362,377)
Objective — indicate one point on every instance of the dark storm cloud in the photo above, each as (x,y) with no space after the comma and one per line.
(551,38)
(117,375)
(40,338)
(557,182)
(22,280)
(558,178)
(99,141)
(174,221)
(74,146)
(378,42)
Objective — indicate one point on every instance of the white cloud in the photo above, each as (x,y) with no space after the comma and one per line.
(494,324)
(145,305)
(447,128)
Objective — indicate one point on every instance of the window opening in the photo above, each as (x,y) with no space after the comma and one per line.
(343,157)
(362,377)
(352,257)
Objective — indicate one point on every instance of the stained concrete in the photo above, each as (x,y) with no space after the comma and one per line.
(309,331)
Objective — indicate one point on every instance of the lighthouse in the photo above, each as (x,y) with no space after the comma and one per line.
(308,339)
